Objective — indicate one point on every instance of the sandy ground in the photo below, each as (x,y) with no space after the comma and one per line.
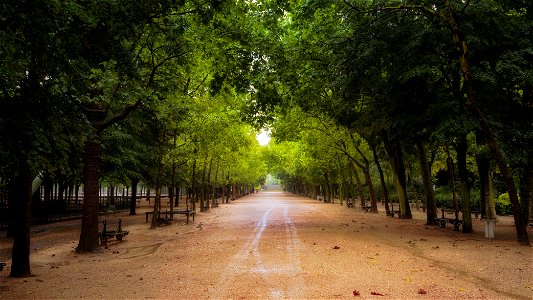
(277,246)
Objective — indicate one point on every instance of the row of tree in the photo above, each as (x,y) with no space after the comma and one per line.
(128,91)
(384,81)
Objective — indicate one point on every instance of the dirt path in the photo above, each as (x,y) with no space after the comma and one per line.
(278,246)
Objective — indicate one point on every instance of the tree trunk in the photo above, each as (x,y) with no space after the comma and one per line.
(228,188)
(372,191)
(327,197)
(203,206)
(193,183)
(359,185)
(133,197)
(172,187)
(526,188)
(431,206)
(451,170)
(214,187)
(91,176)
(384,190)
(148,194)
(208,184)
(20,193)
(486,195)
(394,151)
(159,180)
(461,149)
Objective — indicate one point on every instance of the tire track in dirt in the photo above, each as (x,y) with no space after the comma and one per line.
(296,281)
(278,273)
(236,265)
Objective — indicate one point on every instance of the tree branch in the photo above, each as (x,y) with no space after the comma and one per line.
(199,85)
(100,126)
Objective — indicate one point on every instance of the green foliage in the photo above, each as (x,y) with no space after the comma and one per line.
(444,197)
(503,205)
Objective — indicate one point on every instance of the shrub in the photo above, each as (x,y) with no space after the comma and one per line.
(443,197)
(503,204)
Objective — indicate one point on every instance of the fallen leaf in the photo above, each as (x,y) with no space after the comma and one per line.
(336,247)
(376,294)
(356,293)
(422,292)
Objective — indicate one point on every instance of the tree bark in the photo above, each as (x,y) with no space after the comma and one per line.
(372,191)
(487,198)
(214,188)
(91,176)
(526,188)
(133,197)
(328,196)
(451,170)
(384,190)
(193,183)
(159,180)
(394,151)
(461,149)
(20,191)
(359,185)
(203,197)
(431,206)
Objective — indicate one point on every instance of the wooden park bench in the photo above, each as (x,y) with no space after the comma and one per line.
(366,208)
(443,220)
(349,204)
(187,212)
(392,212)
(2,265)
(105,235)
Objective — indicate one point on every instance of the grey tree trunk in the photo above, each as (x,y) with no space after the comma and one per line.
(431,206)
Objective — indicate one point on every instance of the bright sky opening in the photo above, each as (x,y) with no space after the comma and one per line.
(263,137)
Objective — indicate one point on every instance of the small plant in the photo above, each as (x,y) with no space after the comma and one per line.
(503,205)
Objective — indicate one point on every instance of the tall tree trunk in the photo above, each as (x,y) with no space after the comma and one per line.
(214,187)
(91,176)
(203,196)
(431,205)
(193,183)
(365,167)
(148,194)
(394,151)
(526,188)
(208,184)
(172,187)
(461,149)
(451,170)
(486,194)
(133,197)
(20,193)
(384,190)
(159,180)
(327,197)
(228,188)
(372,191)
(359,185)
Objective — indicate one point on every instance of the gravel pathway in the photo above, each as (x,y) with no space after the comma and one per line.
(278,246)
